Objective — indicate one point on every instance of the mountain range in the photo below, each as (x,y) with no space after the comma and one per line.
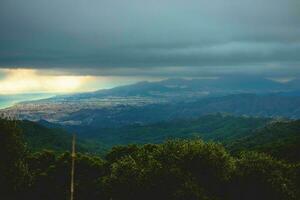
(171,99)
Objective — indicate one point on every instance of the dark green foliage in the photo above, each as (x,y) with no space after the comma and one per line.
(118,152)
(214,127)
(39,137)
(259,176)
(218,127)
(13,169)
(197,170)
(280,139)
(51,175)
(175,170)
(50,178)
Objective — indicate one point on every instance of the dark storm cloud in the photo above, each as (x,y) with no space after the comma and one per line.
(153,37)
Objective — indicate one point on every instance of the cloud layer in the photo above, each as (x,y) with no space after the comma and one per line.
(152,38)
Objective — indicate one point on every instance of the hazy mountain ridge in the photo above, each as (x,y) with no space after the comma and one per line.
(149,102)
(180,87)
(213,86)
(244,104)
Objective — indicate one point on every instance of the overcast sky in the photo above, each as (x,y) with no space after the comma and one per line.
(151,38)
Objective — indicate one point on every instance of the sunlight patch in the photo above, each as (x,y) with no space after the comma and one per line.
(29,80)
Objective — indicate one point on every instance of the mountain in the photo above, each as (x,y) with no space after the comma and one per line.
(223,85)
(150,102)
(243,104)
(183,88)
(90,119)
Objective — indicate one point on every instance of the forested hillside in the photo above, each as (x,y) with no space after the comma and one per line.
(280,139)
(178,169)
(38,137)
(215,127)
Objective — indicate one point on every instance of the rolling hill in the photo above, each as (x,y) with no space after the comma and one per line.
(280,139)
(38,137)
(216,127)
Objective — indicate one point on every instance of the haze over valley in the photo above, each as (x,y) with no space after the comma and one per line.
(147,102)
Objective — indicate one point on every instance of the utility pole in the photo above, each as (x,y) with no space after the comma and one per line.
(73,155)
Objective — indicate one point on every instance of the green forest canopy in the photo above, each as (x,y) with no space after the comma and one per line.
(176,169)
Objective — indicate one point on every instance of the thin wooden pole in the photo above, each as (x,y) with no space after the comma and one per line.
(73,155)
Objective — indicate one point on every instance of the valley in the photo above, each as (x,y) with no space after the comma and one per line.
(149,102)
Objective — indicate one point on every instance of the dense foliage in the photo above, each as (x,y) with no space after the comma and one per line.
(13,167)
(176,169)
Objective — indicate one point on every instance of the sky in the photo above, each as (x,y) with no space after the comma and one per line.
(84,45)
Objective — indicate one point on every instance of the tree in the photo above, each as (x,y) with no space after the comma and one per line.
(259,176)
(14,175)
